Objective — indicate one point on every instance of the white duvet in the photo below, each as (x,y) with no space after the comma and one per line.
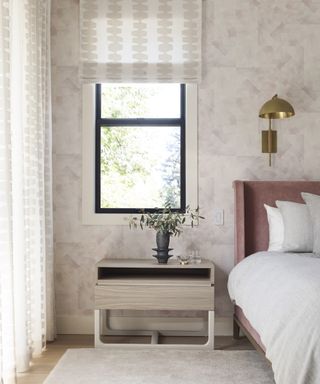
(279,294)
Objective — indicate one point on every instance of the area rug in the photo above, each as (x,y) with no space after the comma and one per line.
(99,366)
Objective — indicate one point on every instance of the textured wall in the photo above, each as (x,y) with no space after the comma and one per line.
(252,49)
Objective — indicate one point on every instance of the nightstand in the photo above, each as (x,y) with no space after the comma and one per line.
(147,285)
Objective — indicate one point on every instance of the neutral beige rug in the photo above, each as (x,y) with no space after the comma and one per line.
(99,366)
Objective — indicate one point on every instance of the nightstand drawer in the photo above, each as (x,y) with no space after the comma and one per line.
(154,297)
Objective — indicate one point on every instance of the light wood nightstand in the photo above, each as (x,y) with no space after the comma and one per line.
(147,285)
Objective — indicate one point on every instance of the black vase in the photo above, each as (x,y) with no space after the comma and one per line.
(163,240)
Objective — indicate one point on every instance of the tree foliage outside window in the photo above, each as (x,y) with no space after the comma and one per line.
(140,166)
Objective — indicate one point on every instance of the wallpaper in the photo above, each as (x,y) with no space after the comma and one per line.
(252,49)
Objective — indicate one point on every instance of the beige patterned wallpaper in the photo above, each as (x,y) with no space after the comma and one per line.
(252,49)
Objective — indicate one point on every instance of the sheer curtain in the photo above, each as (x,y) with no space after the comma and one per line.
(26,256)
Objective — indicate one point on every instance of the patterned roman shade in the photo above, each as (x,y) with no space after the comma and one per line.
(140,40)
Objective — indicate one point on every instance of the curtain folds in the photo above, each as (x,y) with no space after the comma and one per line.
(140,40)
(26,284)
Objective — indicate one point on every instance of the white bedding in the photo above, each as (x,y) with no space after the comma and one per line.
(279,294)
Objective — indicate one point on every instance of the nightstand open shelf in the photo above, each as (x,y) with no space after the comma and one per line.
(147,285)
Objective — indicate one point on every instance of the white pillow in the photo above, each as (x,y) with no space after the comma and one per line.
(313,203)
(298,231)
(276,228)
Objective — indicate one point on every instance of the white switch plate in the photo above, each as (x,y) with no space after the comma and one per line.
(218,218)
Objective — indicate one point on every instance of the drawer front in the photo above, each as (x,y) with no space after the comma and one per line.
(154,297)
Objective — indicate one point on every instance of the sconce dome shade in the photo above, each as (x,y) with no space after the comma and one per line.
(276,108)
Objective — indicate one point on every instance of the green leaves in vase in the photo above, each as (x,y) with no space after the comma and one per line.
(165,220)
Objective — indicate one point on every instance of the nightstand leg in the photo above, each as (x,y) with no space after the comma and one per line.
(97,328)
(210,343)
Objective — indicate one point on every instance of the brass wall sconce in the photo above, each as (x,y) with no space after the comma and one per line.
(274,108)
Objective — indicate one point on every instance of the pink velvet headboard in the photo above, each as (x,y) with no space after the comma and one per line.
(251,225)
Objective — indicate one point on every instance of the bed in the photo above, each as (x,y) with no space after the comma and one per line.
(251,238)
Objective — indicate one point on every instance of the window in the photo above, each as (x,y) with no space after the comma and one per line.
(140,147)
(168,120)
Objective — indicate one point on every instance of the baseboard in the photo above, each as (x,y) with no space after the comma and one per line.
(84,325)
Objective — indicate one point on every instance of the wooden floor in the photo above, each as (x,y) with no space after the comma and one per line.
(43,365)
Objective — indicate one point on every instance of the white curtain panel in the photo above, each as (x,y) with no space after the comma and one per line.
(26,256)
(140,40)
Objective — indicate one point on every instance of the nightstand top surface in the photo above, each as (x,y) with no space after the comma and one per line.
(149,263)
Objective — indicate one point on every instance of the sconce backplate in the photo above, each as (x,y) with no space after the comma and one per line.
(265,135)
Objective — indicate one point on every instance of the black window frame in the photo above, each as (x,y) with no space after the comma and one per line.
(102,122)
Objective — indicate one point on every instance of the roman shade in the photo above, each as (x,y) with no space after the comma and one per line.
(140,41)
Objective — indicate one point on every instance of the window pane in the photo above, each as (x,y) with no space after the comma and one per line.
(140,101)
(140,167)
